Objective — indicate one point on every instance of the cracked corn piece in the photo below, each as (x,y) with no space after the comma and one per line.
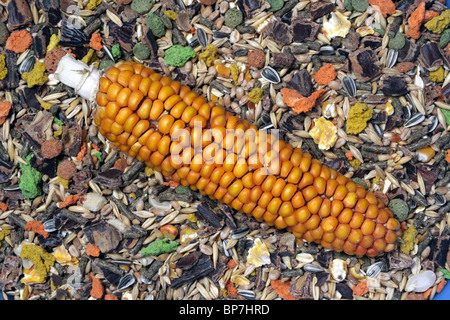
(187,138)
(324,133)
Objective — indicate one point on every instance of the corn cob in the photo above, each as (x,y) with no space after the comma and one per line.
(151,117)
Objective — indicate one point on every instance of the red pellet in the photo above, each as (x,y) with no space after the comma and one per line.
(51,148)
(256,58)
(52,59)
(66,169)
(120,164)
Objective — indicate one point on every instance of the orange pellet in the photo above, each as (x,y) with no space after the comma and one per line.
(200,145)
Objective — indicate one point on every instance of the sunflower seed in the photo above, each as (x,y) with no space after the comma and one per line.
(378,130)
(108,53)
(28,64)
(270,75)
(50,225)
(247,294)
(406,113)
(239,233)
(440,200)
(434,123)
(266,126)
(415,120)
(228,252)
(349,85)
(126,281)
(202,37)
(327,50)
(311,267)
(374,270)
(391,59)
(122,261)
(193,42)
(220,35)
(13,187)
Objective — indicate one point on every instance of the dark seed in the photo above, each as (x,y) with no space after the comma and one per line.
(247,294)
(394,87)
(202,37)
(239,233)
(50,225)
(415,120)
(301,82)
(28,64)
(349,85)
(392,58)
(378,130)
(126,281)
(434,123)
(193,42)
(72,37)
(221,35)
(240,52)
(270,75)
(327,50)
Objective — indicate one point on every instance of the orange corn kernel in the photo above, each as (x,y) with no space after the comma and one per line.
(135,99)
(288,192)
(295,175)
(357,220)
(331,187)
(345,216)
(113,91)
(309,193)
(274,205)
(313,222)
(350,200)
(368,226)
(342,231)
(302,214)
(104,84)
(329,224)
(124,77)
(340,192)
(325,208)
(222,70)
(265,199)
(307,179)
(165,123)
(298,200)
(314,204)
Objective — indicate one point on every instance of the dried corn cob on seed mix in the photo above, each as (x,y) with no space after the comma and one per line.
(197,143)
